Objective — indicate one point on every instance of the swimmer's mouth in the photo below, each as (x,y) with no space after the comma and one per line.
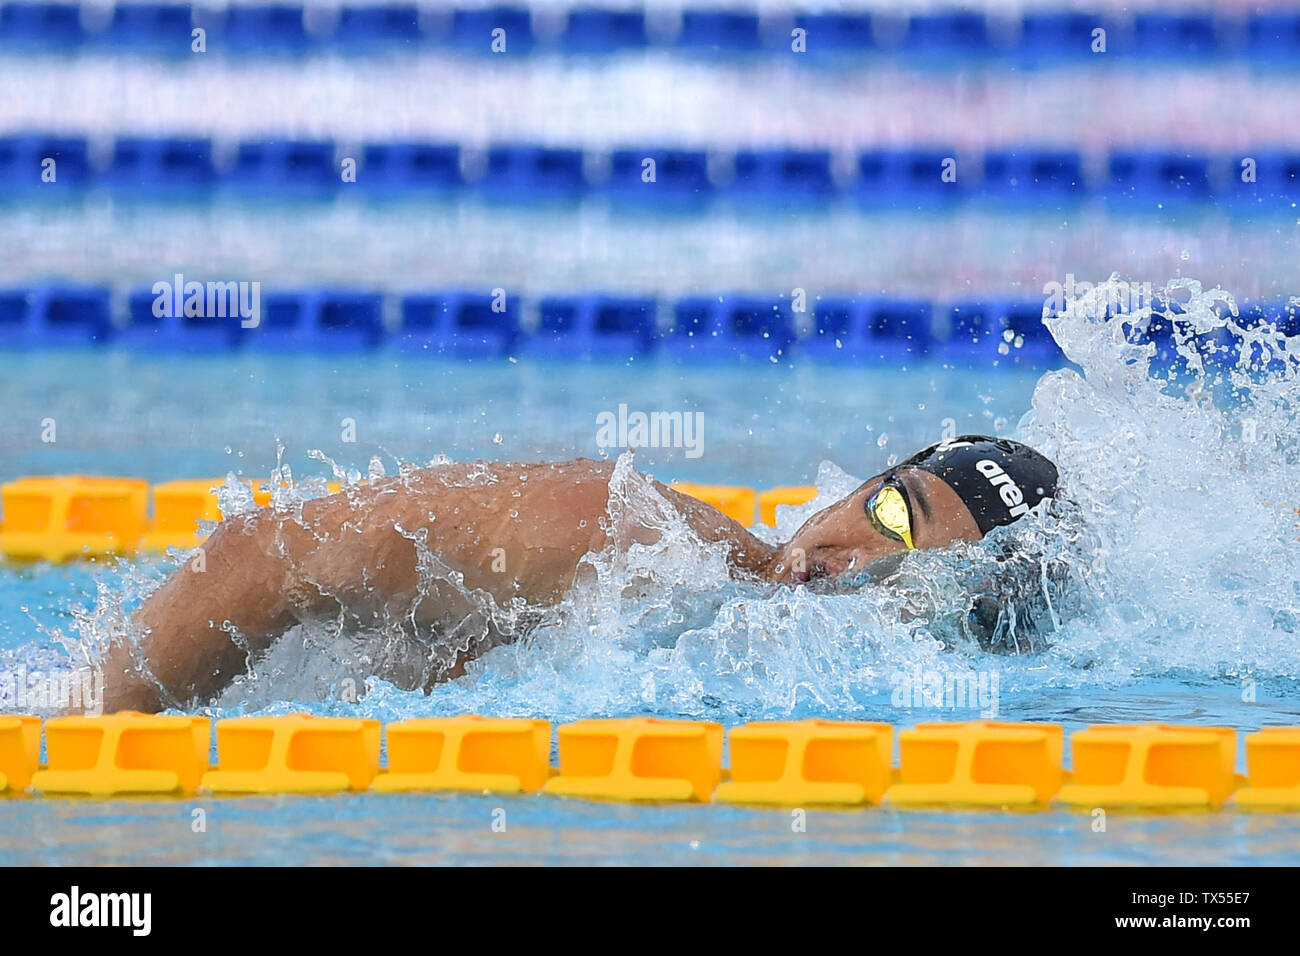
(830,573)
(816,570)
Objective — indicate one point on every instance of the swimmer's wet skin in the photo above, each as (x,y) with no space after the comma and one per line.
(355,557)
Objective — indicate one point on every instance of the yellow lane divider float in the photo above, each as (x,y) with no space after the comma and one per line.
(20,751)
(121,754)
(62,517)
(54,519)
(779,763)
(809,762)
(467,753)
(1153,765)
(294,754)
(638,758)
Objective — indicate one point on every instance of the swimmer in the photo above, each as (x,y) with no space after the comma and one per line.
(517,534)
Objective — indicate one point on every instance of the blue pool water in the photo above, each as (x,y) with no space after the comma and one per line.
(1172,615)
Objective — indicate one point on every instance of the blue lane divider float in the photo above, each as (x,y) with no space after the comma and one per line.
(994,332)
(463,325)
(25,161)
(154,27)
(56,25)
(55,315)
(1160,33)
(410,166)
(670,177)
(1261,37)
(730,326)
(173,331)
(1058,36)
(594,30)
(296,165)
(784,173)
(165,164)
(369,27)
(735,31)
(515,170)
(871,330)
(948,32)
(1010,332)
(593,326)
(1033,174)
(256,28)
(680,176)
(329,320)
(472,28)
(909,176)
(845,32)
(1163,175)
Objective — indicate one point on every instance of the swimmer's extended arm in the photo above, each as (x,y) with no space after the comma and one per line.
(188,646)
(747,552)
(354,554)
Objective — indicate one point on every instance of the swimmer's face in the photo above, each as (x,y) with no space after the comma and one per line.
(843,540)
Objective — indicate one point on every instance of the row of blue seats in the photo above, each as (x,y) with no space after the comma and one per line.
(1269,35)
(462,324)
(526,170)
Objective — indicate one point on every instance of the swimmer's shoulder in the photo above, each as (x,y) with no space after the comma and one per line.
(573,473)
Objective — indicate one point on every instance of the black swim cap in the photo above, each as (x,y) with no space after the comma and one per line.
(998,479)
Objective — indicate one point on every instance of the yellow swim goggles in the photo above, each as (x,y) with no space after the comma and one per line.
(891,513)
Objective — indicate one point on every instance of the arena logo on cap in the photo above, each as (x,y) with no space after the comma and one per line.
(1011,494)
